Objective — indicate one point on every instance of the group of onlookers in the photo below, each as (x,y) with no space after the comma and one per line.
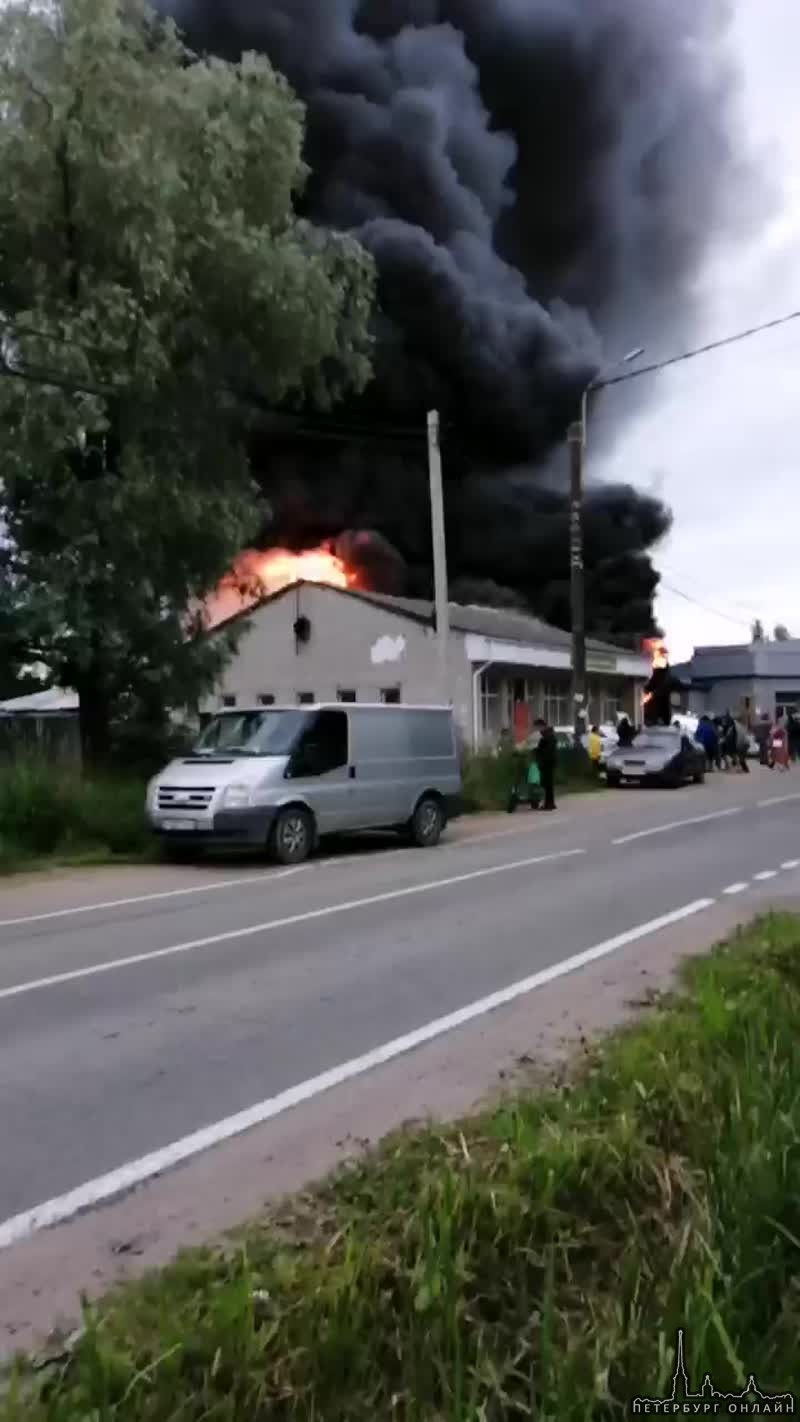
(726,741)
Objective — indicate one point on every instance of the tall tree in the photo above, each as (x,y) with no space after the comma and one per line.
(155,284)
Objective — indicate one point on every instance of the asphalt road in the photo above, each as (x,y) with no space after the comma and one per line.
(139,1006)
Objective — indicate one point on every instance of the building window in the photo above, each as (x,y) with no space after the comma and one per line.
(390,695)
(305,698)
(347,696)
(229,700)
(489,727)
(610,709)
(556,705)
(266,699)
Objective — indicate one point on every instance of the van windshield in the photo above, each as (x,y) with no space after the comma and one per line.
(252,733)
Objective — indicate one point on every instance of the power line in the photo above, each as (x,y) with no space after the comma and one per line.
(738,621)
(751,611)
(698,351)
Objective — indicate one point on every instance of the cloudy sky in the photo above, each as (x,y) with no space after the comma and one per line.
(720,438)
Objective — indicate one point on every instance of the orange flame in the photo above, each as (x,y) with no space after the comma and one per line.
(257,574)
(657,651)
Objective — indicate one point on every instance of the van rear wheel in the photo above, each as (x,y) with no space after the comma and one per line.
(292,838)
(427,823)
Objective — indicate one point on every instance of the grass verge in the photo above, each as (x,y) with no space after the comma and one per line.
(534,1261)
(489,778)
(52,812)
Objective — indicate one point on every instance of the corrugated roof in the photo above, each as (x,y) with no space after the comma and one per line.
(500,624)
(42,703)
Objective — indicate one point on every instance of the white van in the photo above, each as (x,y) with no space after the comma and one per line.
(282,776)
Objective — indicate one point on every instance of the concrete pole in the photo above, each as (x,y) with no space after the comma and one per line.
(439,554)
(576,438)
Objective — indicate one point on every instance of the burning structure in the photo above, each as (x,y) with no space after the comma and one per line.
(662,686)
(537,180)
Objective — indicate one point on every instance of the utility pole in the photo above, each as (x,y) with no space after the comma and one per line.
(439,554)
(576,440)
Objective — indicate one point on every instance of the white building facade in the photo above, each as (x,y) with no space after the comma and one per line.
(311,642)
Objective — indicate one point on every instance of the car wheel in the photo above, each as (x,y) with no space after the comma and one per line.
(427,823)
(613,779)
(699,777)
(292,838)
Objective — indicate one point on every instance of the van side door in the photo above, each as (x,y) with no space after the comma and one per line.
(319,769)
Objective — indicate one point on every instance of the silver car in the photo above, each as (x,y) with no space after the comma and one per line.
(281,777)
(660,755)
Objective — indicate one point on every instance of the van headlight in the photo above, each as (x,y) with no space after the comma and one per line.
(236,797)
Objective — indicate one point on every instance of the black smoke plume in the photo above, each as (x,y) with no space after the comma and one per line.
(538,180)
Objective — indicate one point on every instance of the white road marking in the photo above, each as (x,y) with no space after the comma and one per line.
(679,824)
(735,889)
(766,874)
(265,878)
(777,800)
(56,979)
(791,864)
(116,1182)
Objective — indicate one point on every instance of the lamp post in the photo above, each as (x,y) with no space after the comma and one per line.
(576,440)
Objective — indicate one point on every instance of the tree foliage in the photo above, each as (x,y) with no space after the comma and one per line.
(781,632)
(155,285)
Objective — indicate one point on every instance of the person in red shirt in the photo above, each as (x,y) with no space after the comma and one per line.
(779,744)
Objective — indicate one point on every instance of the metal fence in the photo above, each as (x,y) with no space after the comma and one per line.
(52,737)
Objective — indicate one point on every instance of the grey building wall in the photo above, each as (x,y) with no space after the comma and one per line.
(766,673)
(353,646)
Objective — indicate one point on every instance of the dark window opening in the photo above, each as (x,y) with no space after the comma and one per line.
(390,696)
(266,699)
(305,698)
(323,746)
(346,696)
(229,700)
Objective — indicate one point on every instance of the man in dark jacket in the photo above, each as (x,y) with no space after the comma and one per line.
(546,757)
(625,733)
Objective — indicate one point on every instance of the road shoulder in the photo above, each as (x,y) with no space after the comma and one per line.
(41,1279)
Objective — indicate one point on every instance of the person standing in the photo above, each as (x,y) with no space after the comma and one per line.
(625,733)
(546,757)
(706,736)
(763,733)
(727,737)
(793,733)
(595,748)
(779,744)
(742,746)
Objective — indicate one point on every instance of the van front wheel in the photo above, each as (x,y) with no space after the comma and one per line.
(427,823)
(292,838)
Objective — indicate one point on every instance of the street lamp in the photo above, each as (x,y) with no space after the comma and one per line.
(576,438)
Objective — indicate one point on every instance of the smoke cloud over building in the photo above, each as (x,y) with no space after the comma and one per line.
(538,181)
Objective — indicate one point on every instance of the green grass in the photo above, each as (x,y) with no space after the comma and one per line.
(489,778)
(49,811)
(51,814)
(534,1261)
